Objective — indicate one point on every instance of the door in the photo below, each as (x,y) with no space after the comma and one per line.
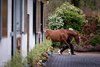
(16,25)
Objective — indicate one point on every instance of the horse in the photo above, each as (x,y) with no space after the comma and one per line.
(63,36)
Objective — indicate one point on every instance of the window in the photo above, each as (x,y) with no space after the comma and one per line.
(3,18)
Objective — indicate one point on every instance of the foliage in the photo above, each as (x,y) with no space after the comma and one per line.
(53,4)
(66,16)
(36,54)
(56,45)
(91,4)
(98,20)
(55,22)
(76,2)
(95,40)
(15,62)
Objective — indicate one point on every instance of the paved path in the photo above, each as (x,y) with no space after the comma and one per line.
(79,60)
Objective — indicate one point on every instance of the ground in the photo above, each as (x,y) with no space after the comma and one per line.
(81,59)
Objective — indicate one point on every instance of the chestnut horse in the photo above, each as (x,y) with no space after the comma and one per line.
(64,36)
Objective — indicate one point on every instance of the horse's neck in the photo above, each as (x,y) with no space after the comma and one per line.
(72,33)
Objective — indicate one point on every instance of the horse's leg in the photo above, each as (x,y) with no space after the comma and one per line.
(71,47)
(64,38)
(64,48)
(60,47)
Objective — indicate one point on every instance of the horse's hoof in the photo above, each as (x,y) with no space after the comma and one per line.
(59,52)
(73,54)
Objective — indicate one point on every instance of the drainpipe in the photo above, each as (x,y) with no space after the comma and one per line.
(14,28)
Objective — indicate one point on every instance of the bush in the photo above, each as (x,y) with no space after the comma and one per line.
(38,53)
(66,16)
(35,55)
(95,40)
(15,62)
(56,45)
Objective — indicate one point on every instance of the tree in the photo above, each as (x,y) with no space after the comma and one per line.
(66,16)
(75,2)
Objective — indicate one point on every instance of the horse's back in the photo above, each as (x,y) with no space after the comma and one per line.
(56,35)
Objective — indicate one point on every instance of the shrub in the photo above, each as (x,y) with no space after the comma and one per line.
(38,53)
(66,16)
(15,62)
(34,56)
(95,40)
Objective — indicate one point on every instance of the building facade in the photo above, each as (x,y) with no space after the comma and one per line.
(22,24)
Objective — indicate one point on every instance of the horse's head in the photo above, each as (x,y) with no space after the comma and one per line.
(77,38)
(74,34)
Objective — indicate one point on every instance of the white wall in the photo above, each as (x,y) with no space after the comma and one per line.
(24,45)
(31,36)
(24,36)
(5,51)
(5,44)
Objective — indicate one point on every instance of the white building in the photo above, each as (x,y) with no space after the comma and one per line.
(21,24)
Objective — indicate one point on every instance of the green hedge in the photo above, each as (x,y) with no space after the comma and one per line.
(66,16)
(95,40)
